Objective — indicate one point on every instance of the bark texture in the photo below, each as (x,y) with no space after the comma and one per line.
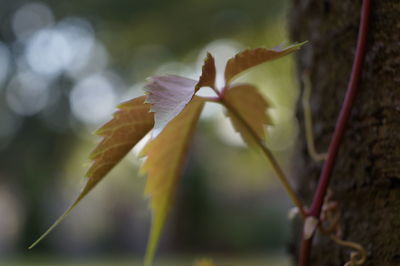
(366,177)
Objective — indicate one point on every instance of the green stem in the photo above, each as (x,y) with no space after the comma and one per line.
(275,165)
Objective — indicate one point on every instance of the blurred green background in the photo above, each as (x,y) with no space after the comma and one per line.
(65,65)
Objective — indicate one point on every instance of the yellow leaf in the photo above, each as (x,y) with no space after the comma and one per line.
(165,157)
(208,73)
(129,125)
(252,57)
(250,105)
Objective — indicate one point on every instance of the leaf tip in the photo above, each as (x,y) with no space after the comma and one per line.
(54,225)
(299,45)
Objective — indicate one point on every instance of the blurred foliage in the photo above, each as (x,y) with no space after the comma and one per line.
(275,260)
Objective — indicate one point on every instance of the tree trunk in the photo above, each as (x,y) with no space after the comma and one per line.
(366,178)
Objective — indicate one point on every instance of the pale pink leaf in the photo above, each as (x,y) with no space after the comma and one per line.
(168,95)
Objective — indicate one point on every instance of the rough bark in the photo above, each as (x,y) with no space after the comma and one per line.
(366,178)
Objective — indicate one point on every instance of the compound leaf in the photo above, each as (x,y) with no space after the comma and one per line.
(251,107)
(129,125)
(165,156)
(253,57)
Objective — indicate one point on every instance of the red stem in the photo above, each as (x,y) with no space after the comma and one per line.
(344,113)
(304,252)
(340,126)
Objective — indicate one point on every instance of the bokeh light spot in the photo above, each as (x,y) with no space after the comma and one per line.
(49,52)
(93,99)
(31,18)
(27,93)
